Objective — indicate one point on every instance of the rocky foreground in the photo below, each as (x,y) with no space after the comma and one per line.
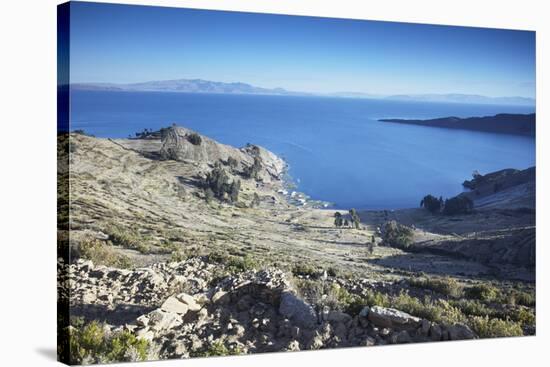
(183,311)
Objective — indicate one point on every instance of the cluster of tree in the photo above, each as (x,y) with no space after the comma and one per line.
(194,138)
(397,235)
(217,184)
(457,205)
(432,204)
(340,221)
(253,170)
(145,133)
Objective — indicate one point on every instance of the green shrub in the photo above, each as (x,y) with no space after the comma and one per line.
(90,344)
(484,292)
(522,315)
(343,300)
(486,327)
(374,298)
(178,256)
(127,238)
(233,264)
(446,286)
(521,298)
(217,348)
(438,311)
(102,254)
(305,270)
(472,307)
(397,235)
(240,264)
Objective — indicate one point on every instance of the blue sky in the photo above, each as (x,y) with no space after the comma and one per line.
(123,44)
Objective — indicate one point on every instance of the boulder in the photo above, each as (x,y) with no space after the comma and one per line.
(389,317)
(460,332)
(297,310)
(435,332)
(173,304)
(401,337)
(338,317)
(189,301)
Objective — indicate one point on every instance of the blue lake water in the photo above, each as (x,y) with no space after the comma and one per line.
(336,148)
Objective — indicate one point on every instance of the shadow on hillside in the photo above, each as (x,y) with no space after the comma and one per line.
(120,315)
(432,264)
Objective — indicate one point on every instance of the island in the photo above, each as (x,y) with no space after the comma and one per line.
(504,123)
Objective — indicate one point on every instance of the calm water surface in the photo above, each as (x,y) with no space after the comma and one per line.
(336,148)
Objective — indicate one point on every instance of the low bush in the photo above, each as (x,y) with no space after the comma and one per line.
(102,254)
(446,286)
(233,264)
(523,298)
(127,238)
(487,327)
(305,270)
(217,349)
(522,315)
(483,292)
(472,307)
(91,344)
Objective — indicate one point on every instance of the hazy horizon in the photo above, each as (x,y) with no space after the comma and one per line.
(115,43)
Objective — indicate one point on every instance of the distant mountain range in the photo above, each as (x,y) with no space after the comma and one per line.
(504,123)
(185,86)
(206,86)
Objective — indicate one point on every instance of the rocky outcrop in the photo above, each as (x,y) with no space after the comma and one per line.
(177,308)
(182,144)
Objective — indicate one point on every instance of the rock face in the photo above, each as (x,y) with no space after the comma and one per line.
(389,317)
(178,144)
(251,312)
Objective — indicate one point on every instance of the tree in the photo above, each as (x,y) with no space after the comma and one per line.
(346,223)
(338,219)
(253,170)
(397,235)
(234,191)
(217,181)
(370,247)
(431,203)
(354,218)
